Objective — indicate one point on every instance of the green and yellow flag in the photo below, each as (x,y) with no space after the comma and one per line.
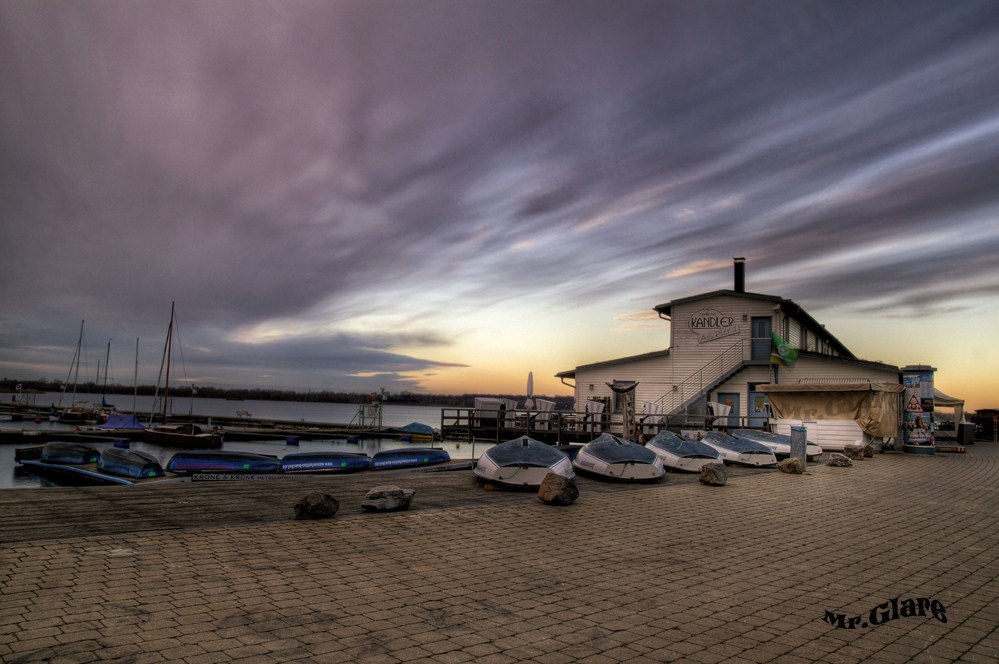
(782,352)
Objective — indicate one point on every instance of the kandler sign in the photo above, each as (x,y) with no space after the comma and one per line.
(709,324)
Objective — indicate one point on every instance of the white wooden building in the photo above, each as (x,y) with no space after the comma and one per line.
(719,351)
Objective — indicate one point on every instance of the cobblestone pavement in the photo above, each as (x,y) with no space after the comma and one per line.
(771,567)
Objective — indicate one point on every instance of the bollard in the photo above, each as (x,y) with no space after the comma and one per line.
(799,440)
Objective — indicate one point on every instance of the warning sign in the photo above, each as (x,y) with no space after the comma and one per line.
(914,405)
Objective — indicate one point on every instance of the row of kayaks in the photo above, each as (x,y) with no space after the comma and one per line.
(524,462)
(116,465)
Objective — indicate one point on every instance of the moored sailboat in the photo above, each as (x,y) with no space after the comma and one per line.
(182,435)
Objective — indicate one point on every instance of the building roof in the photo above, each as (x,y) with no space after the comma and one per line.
(788,306)
(609,363)
(849,360)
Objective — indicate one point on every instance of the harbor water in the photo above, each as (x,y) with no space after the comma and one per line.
(393,415)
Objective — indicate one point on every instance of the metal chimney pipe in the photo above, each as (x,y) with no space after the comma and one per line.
(740,275)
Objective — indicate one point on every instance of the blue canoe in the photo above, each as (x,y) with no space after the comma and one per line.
(66,453)
(324,462)
(195,461)
(409,457)
(129,463)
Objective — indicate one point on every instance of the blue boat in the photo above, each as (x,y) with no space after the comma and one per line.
(611,457)
(196,461)
(66,453)
(129,463)
(325,462)
(407,457)
(683,454)
(522,462)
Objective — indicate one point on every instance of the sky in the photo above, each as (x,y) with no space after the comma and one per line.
(442,196)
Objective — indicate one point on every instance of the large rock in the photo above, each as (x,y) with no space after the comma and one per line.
(714,474)
(316,505)
(837,459)
(557,490)
(855,452)
(869,451)
(388,499)
(792,465)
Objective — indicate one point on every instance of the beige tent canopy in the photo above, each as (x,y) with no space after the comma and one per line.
(875,406)
(941,400)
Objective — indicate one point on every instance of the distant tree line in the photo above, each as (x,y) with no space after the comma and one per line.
(260,394)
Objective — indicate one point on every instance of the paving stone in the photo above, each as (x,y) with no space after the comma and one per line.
(461,578)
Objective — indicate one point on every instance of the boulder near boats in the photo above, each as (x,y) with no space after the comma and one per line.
(325,462)
(739,450)
(222,461)
(611,457)
(409,457)
(522,462)
(683,454)
(779,444)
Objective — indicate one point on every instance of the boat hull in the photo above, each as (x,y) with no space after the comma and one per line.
(66,453)
(688,456)
(612,458)
(739,451)
(74,475)
(197,461)
(324,462)
(129,463)
(409,458)
(522,463)
(182,436)
(779,444)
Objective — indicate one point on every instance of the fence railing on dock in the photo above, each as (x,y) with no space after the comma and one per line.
(562,427)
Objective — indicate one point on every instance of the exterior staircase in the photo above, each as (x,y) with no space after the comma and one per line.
(697,385)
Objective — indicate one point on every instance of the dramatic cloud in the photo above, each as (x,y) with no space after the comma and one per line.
(344,193)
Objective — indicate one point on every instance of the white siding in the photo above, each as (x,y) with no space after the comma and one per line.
(650,375)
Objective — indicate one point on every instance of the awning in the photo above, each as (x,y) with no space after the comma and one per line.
(941,400)
(874,406)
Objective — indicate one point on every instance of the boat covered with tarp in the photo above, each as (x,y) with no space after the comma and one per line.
(683,454)
(415,431)
(738,451)
(611,457)
(522,462)
(779,444)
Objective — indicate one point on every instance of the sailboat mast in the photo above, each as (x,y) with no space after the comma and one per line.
(74,364)
(135,378)
(107,362)
(169,353)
